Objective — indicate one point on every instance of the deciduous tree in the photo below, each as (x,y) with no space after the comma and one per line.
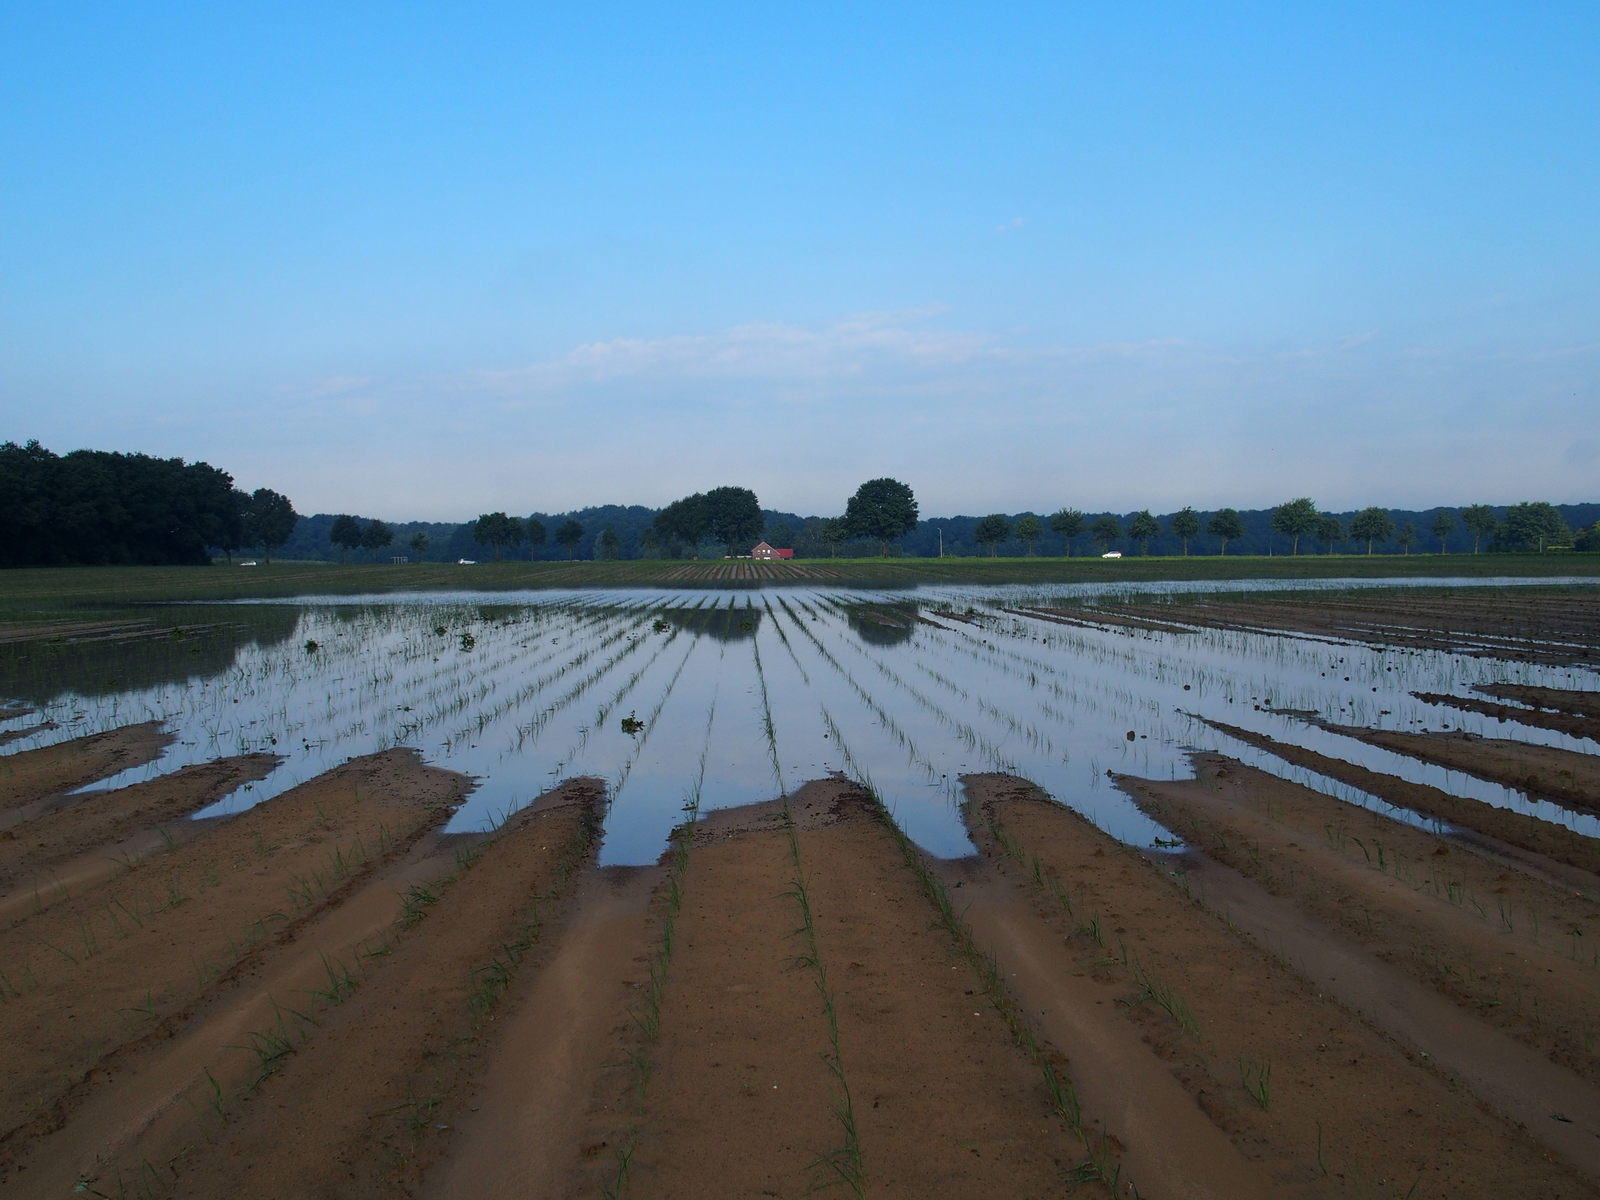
(991,531)
(1443,525)
(1480,522)
(686,520)
(1329,531)
(1226,524)
(569,534)
(1068,522)
(882,508)
(498,530)
(1535,525)
(733,517)
(376,536)
(1294,518)
(1405,535)
(345,534)
(1372,525)
(835,532)
(419,543)
(1106,530)
(1186,524)
(1142,528)
(269,520)
(610,543)
(534,528)
(1029,530)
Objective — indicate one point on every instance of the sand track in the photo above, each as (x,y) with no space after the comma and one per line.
(1383,1120)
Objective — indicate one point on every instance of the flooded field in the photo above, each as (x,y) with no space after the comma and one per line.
(1223,842)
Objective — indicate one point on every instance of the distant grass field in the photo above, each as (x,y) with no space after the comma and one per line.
(35,595)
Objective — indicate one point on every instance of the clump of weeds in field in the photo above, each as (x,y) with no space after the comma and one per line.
(1256,1079)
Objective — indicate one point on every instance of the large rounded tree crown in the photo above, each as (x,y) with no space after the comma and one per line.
(881,508)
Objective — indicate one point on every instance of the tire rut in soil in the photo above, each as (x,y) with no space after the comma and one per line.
(1345,1106)
(125,963)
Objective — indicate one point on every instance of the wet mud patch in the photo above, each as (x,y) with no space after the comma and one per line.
(1299,1083)
(94,823)
(1539,837)
(1565,712)
(125,963)
(32,775)
(1516,951)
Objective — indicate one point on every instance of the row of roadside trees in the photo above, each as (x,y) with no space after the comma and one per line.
(1529,526)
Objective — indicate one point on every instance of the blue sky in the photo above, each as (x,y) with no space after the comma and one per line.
(427,261)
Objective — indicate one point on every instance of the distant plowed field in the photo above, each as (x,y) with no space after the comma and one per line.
(954,892)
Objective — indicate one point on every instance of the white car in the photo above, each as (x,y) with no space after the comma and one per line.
(251,563)
(466,562)
(1112,554)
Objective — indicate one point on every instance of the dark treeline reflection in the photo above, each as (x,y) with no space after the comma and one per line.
(175,645)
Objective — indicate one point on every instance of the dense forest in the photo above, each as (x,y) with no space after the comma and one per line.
(96,507)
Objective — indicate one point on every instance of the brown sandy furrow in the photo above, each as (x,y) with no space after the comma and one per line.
(1545,772)
(146,1103)
(1560,700)
(1533,834)
(16,735)
(739,1066)
(1347,1108)
(352,1111)
(99,820)
(122,963)
(1561,722)
(1500,944)
(946,1103)
(31,775)
(529,1123)
(1553,626)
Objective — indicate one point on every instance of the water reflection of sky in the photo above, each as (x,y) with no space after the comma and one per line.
(772,688)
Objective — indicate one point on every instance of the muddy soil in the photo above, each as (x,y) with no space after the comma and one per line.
(1554,714)
(1561,700)
(1545,772)
(124,963)
(1505,829)
(740,1100)
(350,1110)
(32,775)
(1514,949)
(1532,624)
(1347,1111)
(95,823)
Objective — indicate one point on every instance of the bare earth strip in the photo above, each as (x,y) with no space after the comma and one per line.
(1531,834)
(739,1066)
(1481,987)
(1543,771)
(125,963)
(353,1112)
(95,823)
(30,775)
(1345,1107)
(1561,700)
(1574,724)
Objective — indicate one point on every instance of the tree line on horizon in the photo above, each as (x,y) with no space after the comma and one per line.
(98,507)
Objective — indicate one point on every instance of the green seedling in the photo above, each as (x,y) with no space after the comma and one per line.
(1256,1078)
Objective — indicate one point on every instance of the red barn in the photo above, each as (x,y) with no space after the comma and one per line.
(762,550)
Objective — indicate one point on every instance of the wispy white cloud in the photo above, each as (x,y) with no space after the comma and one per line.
(1014,223)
